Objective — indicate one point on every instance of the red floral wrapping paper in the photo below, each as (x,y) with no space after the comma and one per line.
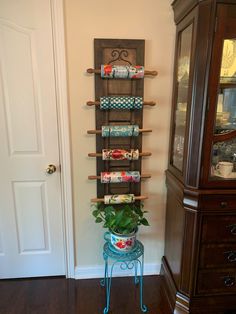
(120,176)
(122,71)
(120,154)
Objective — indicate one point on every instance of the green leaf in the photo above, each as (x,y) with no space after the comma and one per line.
(121,218)
(108,209)
(98,219)
(119,215)
(144,222)
(125,222)
(95,212)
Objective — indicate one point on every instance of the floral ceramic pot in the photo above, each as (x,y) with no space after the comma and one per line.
(122,242)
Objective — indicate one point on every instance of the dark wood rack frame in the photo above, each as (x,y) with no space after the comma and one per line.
(118,52)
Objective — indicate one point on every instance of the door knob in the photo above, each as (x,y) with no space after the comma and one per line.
(51,169)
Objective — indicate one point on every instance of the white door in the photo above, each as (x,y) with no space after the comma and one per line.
(31,229)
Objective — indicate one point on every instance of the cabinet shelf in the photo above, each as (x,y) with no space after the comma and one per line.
(227,85)
(227,135)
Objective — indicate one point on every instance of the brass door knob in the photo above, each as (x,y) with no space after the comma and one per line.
(51,169)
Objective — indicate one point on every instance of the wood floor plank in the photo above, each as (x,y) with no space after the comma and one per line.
(67,296)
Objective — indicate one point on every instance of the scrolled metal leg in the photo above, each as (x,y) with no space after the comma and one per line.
(103,281)
(127,261)
(136,278)
(108,287)
(142,306)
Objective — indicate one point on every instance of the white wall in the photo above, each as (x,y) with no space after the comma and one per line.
(151,20)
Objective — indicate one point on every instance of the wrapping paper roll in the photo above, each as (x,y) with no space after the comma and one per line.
(121,102)
(120,154)
(119,199)
(122,71)
(120,130)
(120,176)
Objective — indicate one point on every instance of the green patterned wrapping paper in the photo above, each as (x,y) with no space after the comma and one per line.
(119,199)
(120,130)
(121,102)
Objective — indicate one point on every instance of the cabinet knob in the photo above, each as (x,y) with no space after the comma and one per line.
(223,204)
(231,256)
(229,281)
(232,229)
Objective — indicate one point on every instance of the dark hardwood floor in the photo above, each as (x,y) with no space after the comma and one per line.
(67,296)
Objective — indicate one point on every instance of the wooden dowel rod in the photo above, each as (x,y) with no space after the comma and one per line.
(145,154)
(93,103)
(137,198)
(98,71)
(95,71)
(100,131)
(153,73)
(100,154)
(143,176)
(97,103)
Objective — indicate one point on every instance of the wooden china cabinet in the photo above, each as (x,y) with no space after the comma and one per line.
(199,263)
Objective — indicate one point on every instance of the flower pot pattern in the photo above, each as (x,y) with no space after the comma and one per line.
(123,242)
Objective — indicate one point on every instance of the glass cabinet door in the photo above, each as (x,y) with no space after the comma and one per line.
(223,162)
(181,96)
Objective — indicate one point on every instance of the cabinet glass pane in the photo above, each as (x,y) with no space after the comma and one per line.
(225,121)
(183,69)
(228,63)
(224,160)
(223,163)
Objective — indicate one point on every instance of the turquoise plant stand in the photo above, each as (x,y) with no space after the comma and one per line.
(126,260)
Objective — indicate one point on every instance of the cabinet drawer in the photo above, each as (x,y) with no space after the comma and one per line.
(219,228)
(218,255)
(217,281)
(214,202)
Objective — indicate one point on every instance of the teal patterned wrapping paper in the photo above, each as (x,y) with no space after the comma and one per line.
(120,130)
(120,176)
(119,199)
(121,102)
(120,154)
(122,71)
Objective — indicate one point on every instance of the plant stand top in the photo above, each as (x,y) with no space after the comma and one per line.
(135,253)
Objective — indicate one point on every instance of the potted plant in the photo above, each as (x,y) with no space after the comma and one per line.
(122,222)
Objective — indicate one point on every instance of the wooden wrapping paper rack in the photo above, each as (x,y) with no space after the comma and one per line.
(100,154)
(97,103)
(143,176)
(98,71)
(137,198)
(100,131)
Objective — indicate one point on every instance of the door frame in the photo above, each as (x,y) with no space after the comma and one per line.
(58,29)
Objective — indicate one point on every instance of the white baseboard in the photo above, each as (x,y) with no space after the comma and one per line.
(97,271)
